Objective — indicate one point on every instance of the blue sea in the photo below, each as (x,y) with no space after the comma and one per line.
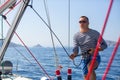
(29,68)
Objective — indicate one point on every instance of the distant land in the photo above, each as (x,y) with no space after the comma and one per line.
(38,45)
(109,43)
(12,44)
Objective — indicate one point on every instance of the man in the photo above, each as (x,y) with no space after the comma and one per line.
(86,39)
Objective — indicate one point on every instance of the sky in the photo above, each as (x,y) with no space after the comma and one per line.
(33,31)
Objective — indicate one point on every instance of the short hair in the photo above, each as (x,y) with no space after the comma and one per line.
(85,17)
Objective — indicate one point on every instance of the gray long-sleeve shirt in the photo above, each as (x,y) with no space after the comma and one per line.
(87,40)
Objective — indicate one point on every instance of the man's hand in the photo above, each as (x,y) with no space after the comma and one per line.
(93,49)
(72,56)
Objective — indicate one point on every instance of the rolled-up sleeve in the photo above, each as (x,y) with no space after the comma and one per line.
(76,45)
(103,44)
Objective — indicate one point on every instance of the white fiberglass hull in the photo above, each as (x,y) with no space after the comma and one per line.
(14,77)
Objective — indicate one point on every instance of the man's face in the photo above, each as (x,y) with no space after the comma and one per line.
(83,23)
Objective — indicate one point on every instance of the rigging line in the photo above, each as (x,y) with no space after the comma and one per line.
(13,7)
(31,2)
(49,23)
(111,59)
(29,51)
(50,30)
(68,25)
(69,30)
(2,29)
(24,56)
(20,53)
(77,65)
(99,40)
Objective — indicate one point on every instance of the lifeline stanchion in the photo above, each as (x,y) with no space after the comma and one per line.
(69,74)
(58,74)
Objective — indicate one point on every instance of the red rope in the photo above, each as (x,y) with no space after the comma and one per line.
(24,43)
(30,52)
(99,40)
(4,4)
(12,8)
(111,59)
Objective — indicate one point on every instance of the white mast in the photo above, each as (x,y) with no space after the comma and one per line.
(1,39)
(13,26)
(6,4)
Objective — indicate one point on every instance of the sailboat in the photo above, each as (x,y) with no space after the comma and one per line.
(6,66)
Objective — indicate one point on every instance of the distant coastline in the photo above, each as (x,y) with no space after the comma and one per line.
(12,44)
(110,43)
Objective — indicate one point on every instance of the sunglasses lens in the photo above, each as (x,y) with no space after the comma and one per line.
(82,21)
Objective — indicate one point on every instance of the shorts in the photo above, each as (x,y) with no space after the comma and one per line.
(84,63)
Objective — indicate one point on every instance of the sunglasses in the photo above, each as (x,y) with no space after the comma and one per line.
(82,21)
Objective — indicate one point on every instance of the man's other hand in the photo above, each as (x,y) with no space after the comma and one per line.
(72,56)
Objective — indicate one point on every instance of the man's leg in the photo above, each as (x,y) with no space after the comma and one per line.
(93,74)
(92,77)
(85,77)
